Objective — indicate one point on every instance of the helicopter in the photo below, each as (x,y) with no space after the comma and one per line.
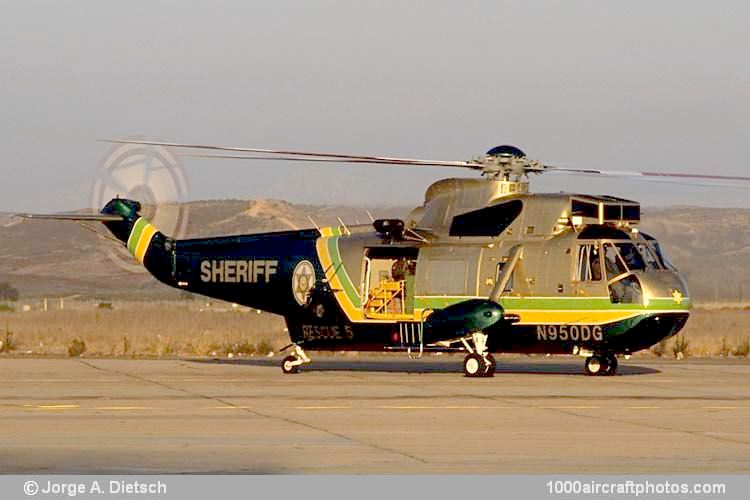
(483,266)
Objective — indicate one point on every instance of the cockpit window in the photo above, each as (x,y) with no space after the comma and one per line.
(626,290)
(654,246)
(613,263)
(649,257)
(630,255)
(662,256)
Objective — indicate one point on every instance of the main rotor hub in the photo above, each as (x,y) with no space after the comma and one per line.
(508,163)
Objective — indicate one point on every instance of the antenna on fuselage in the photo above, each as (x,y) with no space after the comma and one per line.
(346,229)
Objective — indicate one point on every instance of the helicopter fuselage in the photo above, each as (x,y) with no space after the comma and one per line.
(535,273)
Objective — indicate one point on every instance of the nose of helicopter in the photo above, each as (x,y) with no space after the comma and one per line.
(665,289)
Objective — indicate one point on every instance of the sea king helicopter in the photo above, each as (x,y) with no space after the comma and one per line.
(483,266)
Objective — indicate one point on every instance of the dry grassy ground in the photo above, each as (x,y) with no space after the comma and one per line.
(189,329)
(143,329)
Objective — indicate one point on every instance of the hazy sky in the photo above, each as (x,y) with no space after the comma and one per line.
(619,85)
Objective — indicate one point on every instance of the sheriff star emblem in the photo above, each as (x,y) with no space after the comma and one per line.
(677,296)
(303,279)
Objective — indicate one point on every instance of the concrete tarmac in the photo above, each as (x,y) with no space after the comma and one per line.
(372,415)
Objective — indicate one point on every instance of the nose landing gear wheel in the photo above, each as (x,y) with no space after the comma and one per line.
(611,361)
(474,365)
(601,365)
(594,365)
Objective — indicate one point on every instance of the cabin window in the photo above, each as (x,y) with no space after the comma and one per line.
(588,264)
(488,221)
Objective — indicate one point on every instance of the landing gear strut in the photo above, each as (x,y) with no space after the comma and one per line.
(479,362)
(601,364)
(291,364)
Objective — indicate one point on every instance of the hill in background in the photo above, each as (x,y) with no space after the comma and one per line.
(46,258)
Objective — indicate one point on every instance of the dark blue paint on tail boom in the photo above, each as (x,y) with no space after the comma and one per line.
(251,270)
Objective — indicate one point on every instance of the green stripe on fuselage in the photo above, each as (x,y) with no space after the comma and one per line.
(560,303)
(341,274)
(135,234)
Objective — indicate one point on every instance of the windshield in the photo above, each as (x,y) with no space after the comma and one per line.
(650,257)
(630,255)
(613,263)
(622,257)
(660,255)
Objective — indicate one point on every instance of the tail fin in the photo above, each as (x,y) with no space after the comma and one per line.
(149,246)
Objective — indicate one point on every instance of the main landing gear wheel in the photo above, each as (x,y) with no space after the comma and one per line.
(474,365)
(490,370)
(479,362)
(601,365)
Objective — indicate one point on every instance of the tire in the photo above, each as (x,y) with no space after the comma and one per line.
(287,367)
(594,365)
(611,361)
(490,370)
(474,365)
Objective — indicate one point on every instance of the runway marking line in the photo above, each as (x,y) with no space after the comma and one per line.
(229,407)
(569,407)
(323,407)
(56,407)
(445,407)
(123,408)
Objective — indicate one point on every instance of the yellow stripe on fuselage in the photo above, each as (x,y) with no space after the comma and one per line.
(581,317)
(143,242)
(321,246)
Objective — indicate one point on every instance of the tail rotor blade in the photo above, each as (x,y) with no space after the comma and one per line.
(78,217)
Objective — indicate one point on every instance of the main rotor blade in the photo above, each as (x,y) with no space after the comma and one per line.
(82,217)
(375,159)
(321,160)
(660,176)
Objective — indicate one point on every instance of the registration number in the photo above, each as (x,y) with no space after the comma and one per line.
(581,333)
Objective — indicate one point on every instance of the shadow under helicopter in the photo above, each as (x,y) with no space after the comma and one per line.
(530,367)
